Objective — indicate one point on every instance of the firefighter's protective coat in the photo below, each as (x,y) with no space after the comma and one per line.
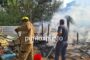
(26,40)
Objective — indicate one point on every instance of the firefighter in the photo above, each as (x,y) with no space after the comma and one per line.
(26,39)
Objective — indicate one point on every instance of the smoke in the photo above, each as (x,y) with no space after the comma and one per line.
(61,12)
(79,11)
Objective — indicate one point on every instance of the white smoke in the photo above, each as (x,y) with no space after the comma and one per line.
(59,15)
(79,12)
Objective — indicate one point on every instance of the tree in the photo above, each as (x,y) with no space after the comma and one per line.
(15,9)
(69,20)
(44,10)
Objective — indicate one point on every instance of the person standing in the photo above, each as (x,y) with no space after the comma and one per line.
(61,45)
(26,41)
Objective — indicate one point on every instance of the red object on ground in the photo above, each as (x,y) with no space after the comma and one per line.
(37,57)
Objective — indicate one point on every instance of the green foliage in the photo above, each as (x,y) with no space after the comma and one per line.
(8,20)
(15,9)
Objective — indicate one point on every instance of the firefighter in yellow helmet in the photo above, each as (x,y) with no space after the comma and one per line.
(26,39)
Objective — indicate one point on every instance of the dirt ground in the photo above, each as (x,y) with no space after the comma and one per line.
(71,55)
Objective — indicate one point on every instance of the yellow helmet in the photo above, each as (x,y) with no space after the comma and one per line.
(25,18)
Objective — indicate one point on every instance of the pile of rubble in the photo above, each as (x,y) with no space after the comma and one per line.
(81,53)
